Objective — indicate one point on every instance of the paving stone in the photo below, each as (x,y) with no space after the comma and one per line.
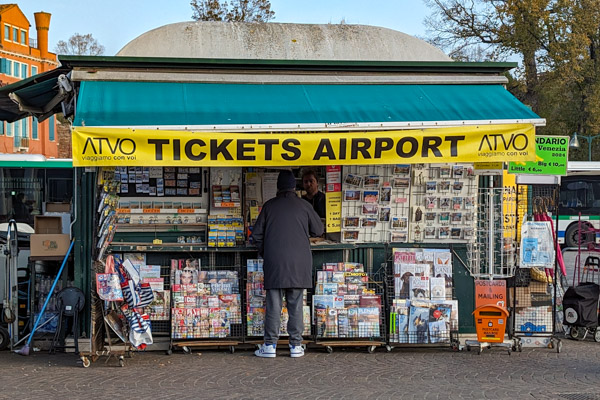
(344,374)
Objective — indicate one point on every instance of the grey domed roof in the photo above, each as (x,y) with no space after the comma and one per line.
(275,41)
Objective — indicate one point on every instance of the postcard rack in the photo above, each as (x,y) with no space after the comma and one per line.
(420,297)
(348,307)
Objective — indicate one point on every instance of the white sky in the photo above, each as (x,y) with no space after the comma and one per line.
(116,22)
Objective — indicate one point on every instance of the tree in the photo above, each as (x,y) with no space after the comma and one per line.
(557,41)
(233,11)
(80,45)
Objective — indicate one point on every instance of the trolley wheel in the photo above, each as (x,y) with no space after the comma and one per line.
(370,349)
(231,349)
(186,350)
(329,349)
(388,348)
(121,361)
(86,362)
(559,346)
(468,347)
(519,347)
(455,346)
(169,352)
(577,333)
(597,335)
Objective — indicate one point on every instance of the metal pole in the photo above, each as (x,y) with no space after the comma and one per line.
(589,140)
(491,229)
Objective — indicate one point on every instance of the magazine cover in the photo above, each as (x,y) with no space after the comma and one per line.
(438,288)
(353,322)
(322,302)
(439,323)
(331,324)
(306,319)
(351,300)
(330,288)
(368,321)
(402,280)
(370,301)
(418,322)
(419,288)
(186,271)
(444,271)
(320,320)
(402,309)
(352,267)
(343,325)
(338,302)
(159,309)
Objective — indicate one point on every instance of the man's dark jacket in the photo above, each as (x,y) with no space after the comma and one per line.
(281,233)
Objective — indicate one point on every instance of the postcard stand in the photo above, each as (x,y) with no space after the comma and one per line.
(348,307)
(207,313)
(534,291)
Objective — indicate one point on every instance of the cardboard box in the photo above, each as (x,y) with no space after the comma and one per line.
(522,297)
(58,207)
(49,245)
(47,224)
(65,218)
(538,287)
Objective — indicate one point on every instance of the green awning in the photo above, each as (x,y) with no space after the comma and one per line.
(174,104)
(38,95)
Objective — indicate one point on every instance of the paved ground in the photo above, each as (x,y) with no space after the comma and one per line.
(351,373)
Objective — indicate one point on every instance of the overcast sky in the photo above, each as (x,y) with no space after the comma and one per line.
(116,22)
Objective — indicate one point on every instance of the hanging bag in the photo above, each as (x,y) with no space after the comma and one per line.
(140,333)
(108,284)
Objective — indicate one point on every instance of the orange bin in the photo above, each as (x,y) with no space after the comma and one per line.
(490,322)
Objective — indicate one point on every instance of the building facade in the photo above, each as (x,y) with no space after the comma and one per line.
(22,56)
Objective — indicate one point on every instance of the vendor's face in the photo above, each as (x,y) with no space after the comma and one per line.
(310,184)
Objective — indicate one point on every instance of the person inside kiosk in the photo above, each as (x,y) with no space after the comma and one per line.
(313,195)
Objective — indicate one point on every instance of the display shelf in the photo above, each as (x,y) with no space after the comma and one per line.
(176,227)
(161,211)
(141,246)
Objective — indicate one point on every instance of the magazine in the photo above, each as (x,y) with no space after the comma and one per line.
(368,321)
(419,288)
(437,288)
(439,323)
(418,322)
(402,280)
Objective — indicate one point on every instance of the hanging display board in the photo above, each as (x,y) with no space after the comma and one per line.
(146,147)
(551,156)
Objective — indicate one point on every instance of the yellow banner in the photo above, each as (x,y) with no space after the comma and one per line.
(146,147)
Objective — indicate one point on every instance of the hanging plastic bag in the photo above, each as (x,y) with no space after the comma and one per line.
(108,284)
(140,333)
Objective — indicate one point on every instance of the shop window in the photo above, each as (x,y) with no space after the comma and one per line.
(17,132)
(23,37)
(6,32)
(34,128)
(51,128)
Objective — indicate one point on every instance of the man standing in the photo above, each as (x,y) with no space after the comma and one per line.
(282,233)
(315,197)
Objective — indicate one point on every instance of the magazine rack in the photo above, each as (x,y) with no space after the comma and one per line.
(208,311)
(422,317)
(255,297)
(359,318)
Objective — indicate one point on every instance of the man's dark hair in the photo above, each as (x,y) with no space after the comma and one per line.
(310,172)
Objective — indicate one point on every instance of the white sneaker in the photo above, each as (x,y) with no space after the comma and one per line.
(296,351)
(266,351)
